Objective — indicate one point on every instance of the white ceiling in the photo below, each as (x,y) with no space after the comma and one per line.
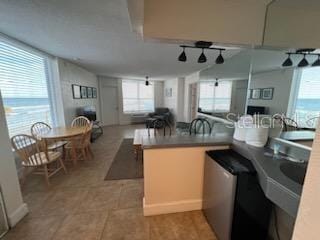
(98,34)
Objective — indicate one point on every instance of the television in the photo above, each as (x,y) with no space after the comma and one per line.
(88,112)
(252,110)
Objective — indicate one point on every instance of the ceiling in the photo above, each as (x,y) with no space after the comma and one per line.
(96,35)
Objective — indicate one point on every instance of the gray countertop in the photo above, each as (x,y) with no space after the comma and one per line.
(298,135)
(277,187)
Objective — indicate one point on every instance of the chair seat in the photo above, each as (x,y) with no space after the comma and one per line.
(55,145)
(34,160)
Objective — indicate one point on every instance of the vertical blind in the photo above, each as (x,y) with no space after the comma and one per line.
(137,97)
(215,98)
(23,85)
(306,108)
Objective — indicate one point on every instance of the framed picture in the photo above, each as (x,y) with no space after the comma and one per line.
(256,93)
(89,92)
(267,93)
(76,91)
(83,92)
(94,92)
(168,92)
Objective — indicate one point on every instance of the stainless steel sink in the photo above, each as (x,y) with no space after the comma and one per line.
(295,171)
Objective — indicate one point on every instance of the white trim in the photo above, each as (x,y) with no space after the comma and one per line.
(18,214)
(171,207)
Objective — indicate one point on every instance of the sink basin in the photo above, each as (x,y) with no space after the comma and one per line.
(295,171)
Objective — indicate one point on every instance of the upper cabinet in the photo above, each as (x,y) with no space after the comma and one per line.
(269,23)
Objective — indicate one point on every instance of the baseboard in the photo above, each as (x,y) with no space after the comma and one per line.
(18,214)
(171,207)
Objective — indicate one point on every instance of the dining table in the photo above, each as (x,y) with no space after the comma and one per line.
(70,134)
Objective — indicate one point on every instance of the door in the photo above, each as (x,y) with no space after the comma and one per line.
(193,101)
(240,104)
(110,110)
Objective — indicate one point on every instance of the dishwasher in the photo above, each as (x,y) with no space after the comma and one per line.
(233,201)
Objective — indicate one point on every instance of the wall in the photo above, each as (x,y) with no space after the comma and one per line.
(69,74)
(281,81)
(15,207)
(238,87)
(193,78)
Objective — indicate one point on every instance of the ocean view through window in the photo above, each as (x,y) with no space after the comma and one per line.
(23,85)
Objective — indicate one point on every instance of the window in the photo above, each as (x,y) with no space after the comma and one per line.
(137,97)
(23,85)
(305,97)
(215,99)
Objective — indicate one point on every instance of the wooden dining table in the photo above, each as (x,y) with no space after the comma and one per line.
(70,134)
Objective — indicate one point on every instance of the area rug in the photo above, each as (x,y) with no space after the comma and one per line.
(125,165)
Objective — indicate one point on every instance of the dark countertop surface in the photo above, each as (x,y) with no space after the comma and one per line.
(280,189)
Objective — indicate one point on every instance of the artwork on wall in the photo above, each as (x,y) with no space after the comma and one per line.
(76,91)
(168,92)
(94,92)
(255,93)
(89,92)
(83,92)
(267,93)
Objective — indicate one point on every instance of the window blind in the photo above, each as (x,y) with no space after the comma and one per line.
(23,85)
(137,97)
(215,98)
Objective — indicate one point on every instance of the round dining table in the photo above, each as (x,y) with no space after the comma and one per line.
(70,134)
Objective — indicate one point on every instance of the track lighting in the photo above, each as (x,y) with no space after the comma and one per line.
(220,59)
(147,81)
(183,56)
(287,62)
(202,58)
(317,62)
(303,62)
(216,84)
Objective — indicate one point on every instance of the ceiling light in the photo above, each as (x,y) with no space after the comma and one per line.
(183,56)
(216,84)
(287,62)
(220,59)
(303,62)
(147,81)
(202,58)
(317,62)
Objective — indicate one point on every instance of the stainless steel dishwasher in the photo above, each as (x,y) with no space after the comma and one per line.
(233,202)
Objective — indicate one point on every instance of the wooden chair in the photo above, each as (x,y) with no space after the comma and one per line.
(82,144)
(33,155)
(288,124)
(80,121)
(40,128)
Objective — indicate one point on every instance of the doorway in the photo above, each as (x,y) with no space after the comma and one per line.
(109,105)
(193,92)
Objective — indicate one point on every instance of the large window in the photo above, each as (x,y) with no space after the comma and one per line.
(137,97)
(215,98)
(23,85)
(305,106)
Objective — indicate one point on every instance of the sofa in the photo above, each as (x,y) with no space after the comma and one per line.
(159,113)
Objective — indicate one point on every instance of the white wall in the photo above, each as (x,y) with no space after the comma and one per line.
(171,102)
(69,74)
(15,207)
(281,81)
(193,78)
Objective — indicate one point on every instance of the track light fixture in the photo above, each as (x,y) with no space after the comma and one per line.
(220,59)
(216,84)
(202,58)
(183,57)
(287,62)
(147,83)
(317,62)
(303,62)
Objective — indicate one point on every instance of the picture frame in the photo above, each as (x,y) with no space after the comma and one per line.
(267,93)
(76,91)
(256,93)
(83,90)
(94,92)
(89,92)
(168,92)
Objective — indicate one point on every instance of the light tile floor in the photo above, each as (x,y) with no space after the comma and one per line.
(81,205)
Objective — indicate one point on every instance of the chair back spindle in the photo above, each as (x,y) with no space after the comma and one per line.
(80,121)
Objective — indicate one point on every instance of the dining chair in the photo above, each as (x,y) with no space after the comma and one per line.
(82,144)
(80,121)
(40,128)
(33,155)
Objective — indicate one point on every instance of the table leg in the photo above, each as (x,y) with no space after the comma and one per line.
(73,152)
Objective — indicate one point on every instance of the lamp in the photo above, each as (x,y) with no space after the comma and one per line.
(317,62)
(147,81)
(216,84)
(287,62)
(202,58)
(303,62)
(182,57)
(220,59)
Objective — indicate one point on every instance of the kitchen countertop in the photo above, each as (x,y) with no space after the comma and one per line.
(298,135)
(281,190)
